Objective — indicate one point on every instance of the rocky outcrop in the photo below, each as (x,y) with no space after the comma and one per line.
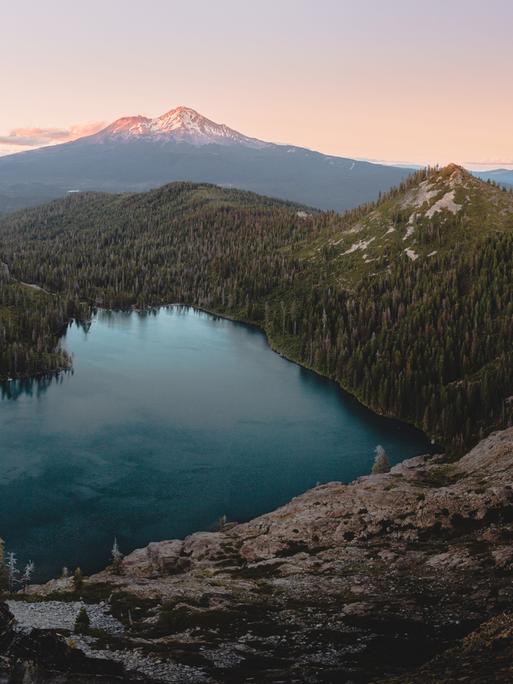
(396,577)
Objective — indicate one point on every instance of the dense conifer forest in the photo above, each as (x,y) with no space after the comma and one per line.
(407,303)
(31,323)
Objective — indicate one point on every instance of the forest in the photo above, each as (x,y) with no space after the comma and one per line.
(31,323)
(425,340)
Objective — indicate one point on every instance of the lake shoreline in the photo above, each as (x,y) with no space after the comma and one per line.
(273,345)
(276,349)
(170,419)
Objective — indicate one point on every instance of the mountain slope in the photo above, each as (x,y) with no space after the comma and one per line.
(161,233)
(406,303)
(434,213)
(413,303)
(138,153)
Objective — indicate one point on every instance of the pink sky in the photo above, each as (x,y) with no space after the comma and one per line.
(397,80)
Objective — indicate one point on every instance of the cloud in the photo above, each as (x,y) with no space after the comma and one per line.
(38,137)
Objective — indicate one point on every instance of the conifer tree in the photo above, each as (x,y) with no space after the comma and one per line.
(381,462)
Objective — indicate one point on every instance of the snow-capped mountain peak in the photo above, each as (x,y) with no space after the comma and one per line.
(178,125)
(127,126)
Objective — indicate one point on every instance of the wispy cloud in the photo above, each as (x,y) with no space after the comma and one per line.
(38,137)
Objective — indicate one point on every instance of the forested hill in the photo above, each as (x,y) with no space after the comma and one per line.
(182,242)
(407,303)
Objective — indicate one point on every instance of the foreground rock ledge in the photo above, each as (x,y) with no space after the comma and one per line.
(402,577)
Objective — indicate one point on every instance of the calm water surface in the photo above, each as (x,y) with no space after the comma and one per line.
(170,420)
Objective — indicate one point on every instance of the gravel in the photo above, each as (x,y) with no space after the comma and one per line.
(62,615)
(162,670)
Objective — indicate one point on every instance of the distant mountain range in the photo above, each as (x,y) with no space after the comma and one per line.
(501,176)
(138,153)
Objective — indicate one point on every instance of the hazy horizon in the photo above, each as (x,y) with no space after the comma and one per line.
(29,139)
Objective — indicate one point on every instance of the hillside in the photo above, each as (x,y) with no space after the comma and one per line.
(83,247)
(31,323)
(397,577)
(139,153)
(430,215)
(425,278)
(407,303)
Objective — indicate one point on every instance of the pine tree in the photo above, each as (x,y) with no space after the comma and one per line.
(117,558)
(26,576)
(12,571)
(82,622)
(78,580)
(381,462)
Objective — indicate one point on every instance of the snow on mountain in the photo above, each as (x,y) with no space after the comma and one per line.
(137,153)
(178,125)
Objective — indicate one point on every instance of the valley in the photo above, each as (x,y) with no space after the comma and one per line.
(405,302)
(256,342)
(374,298)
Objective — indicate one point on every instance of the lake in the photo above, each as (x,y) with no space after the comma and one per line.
(169,420)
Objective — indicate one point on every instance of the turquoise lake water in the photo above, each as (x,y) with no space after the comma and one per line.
(169,420)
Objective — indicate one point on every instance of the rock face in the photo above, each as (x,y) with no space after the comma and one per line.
(397,577)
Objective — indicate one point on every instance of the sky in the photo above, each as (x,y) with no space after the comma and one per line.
(394,80)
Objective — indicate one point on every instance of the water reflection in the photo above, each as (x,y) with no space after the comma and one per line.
(32,387)
(171,419)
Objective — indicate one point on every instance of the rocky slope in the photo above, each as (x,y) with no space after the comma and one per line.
(400,577)
(447,211)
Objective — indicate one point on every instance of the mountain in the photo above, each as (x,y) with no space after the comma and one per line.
(406,303)
(182,125)
(426,275)
(138,153)
(434,213)
(500,176)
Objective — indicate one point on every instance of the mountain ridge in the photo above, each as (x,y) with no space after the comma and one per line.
(138,153)
(430,207)
(182,124)
(501,176)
